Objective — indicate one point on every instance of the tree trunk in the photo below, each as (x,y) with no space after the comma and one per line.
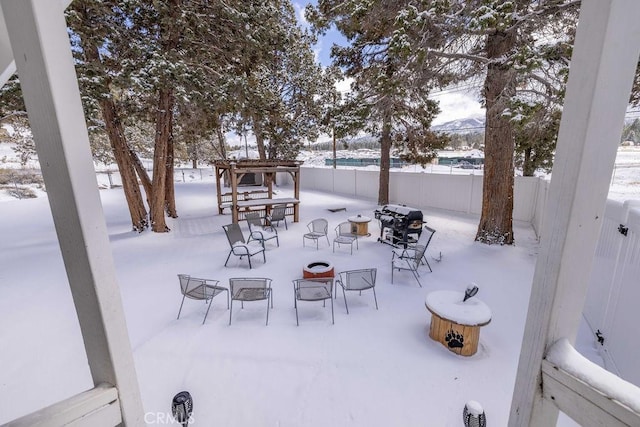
(115,132)
(496,222)
(142,173)
(385,161)
(164,116)
(130,185)
(527,164)
(257,130)
(170,194)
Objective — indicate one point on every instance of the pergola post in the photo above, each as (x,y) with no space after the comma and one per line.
(603,65)
(41,48)
(234,192)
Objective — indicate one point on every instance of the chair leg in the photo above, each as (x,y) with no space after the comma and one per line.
(268,298)
(179,311)
(227,290)
(415,274)
(208,308)
(228,256)
(374,297)
(344,294)
(428,265)
(332,318)
(230,311)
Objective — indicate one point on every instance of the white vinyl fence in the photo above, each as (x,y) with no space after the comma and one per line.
(458,192)
(611,308)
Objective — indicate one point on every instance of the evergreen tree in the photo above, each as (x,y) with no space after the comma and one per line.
(511,45)
(391,98)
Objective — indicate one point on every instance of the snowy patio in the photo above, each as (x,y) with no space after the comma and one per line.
(372,368)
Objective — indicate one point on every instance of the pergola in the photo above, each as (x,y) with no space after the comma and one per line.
(241,202)
(34,40)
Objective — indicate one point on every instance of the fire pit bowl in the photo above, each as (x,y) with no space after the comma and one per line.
(317,269)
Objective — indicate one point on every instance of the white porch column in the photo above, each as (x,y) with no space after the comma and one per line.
(41,49)
(602,69)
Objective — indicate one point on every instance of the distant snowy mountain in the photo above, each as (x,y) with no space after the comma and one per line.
(466,125)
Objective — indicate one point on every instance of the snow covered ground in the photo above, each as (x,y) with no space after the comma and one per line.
(371,368)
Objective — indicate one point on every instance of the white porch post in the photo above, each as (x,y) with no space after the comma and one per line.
(602,69)
(41,49)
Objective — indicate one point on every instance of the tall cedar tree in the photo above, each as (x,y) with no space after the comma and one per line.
(508,44)
(392,99)
(92,23)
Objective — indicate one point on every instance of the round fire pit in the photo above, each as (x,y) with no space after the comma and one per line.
(317,269)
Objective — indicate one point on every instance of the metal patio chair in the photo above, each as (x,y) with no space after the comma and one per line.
(345,236)
(318,228)
(424,240)
(239,247)
(408,259)
(278,213)
(250,289)
(200,289)
(258,230)
(357,280)
(313,289)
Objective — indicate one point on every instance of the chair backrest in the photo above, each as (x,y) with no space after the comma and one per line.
(319,225)
(249,288)
(359,279)
(344,229)
(188,284)
(426,236)
(234,233)
(313,289)
(253,219)
(278,212)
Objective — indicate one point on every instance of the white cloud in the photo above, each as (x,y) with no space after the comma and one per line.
(457,105)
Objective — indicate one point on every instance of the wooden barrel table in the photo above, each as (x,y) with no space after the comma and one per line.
(456,323)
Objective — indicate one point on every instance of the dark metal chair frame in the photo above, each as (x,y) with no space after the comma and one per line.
(239,246)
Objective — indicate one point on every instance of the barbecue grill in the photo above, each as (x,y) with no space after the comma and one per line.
(399,224)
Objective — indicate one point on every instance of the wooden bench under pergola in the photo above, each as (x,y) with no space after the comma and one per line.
(261,200)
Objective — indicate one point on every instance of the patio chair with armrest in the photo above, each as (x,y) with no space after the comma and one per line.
(318,228)
(250,289)
(313,289)
(408,259)
(357,280)
(258,230)
(278,213)
(240,247)
(345,236)
(424,240)
(200,289)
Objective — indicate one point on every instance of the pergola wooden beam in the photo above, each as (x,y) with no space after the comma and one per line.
(269,168)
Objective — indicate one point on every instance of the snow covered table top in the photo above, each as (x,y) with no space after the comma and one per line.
(359,218)
(448,305)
